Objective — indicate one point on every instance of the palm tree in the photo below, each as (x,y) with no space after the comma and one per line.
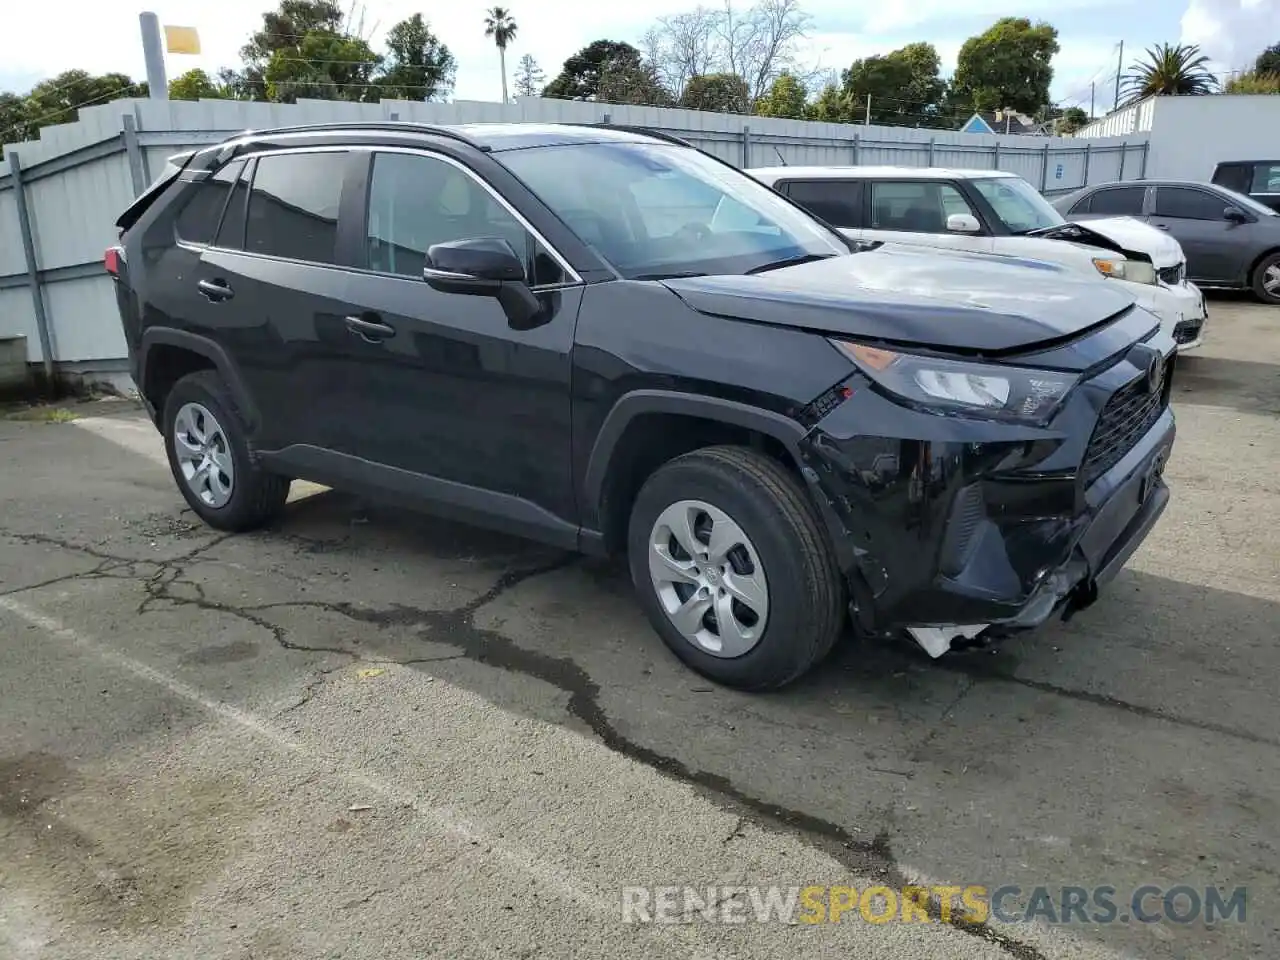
(1175,70)
(499,24)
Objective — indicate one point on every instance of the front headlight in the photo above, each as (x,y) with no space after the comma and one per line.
(958,386)
(1118,268)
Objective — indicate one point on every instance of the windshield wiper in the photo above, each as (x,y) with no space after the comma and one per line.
(791,262)
(669,275)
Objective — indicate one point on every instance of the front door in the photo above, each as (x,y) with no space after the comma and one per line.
(916,211)
(438,385)
(1194,218)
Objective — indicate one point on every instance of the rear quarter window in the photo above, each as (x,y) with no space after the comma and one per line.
(201,212)
(839,202)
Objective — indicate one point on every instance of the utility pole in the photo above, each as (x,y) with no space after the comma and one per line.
(868,123)
(1119,70)
(1092,85)
(153,52)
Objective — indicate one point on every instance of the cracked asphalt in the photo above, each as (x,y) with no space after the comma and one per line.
(370,734)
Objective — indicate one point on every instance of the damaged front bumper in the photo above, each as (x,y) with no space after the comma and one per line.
(954,530)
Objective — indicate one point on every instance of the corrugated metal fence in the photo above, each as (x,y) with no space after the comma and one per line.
(59,195)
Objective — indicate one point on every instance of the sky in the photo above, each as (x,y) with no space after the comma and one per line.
(45,37)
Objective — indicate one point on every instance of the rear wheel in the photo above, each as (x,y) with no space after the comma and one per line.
(1266,279)
(732,567)
(209,457)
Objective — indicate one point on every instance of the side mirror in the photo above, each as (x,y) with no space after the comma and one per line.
(484,267)
(963,223)
(1235,215)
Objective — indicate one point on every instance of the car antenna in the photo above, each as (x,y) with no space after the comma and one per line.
(781,158)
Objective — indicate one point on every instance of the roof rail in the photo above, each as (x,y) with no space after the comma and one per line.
(645,131)
(403,126)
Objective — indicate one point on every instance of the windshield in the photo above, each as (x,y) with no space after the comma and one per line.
(1248,203)
(662,210)
(1018,205)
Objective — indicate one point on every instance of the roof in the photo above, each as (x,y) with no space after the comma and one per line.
(845,173)
(996,121)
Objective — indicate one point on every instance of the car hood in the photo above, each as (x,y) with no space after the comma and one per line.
(1122,234)
(964,303)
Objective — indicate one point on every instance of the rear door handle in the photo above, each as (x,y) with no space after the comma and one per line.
(215,290)
(370,331)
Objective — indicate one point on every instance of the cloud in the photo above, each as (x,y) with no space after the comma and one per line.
(1232,32)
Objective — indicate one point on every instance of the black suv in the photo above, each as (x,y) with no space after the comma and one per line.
(610,341)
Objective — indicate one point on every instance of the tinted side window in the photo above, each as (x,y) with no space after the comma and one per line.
(417,201)
(1266,178)
(918,207)
(1121,201)
(1081,206)
(231,233)
(1233,176)
(839,202)
(198,219)
(293,207)
(1188,204)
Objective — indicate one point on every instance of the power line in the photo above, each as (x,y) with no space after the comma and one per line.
(56,113)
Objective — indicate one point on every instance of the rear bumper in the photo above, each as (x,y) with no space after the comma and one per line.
(974,526)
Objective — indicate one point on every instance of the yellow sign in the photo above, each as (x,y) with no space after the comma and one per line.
(181,40)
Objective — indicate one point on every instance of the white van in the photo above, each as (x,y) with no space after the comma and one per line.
(987,211)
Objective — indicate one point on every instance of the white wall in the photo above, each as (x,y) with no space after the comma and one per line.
(1191,135)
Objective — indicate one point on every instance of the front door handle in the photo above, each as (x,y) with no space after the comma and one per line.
(215,290)
(370,331)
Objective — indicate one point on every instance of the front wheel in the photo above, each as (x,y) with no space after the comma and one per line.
(1266,279)
(732,568)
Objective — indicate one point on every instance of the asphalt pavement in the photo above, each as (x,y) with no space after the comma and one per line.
(370,734)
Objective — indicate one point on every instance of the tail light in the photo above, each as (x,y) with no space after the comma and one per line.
(112,260)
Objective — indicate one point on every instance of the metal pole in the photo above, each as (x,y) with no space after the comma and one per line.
(1092,92)
(996,165)
(855,149)
(1119,69)
(1142,170)
(1044,169)
(868,123)
(134,153)
(1088,149)
(746,146)
(1123,148)
(153,52)
(931,140)
(33,269)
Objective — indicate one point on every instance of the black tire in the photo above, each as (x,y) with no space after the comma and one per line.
(806,606)
(1270,262)
(257,497)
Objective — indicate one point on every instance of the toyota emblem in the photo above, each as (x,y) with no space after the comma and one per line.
(1155,373)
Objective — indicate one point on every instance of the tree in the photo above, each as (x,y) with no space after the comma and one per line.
(1268,60)
(14,117)
(717,92)
(579,79)
(785,98)
(904,85)
(639,84)
(323,66)
(418,65)
(682,46)
(501,27)
(284,30)
(1010,65)
(58,99)
(831,106)
(1071,120)
(196,85)
(1169,69)
(529,76)
(1254,82)
(761,43)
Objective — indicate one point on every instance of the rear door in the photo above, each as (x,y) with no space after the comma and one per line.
(916,211)
(1118,201)
(1216,247)
(276,288)
(839,202)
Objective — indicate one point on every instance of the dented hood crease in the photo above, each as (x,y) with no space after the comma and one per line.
(966,303)
(1125,235)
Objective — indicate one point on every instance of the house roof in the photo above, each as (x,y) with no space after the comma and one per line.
(995,121)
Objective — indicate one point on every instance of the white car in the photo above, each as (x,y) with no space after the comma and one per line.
(988,211)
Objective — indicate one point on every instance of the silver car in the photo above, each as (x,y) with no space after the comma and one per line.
(1230,240)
